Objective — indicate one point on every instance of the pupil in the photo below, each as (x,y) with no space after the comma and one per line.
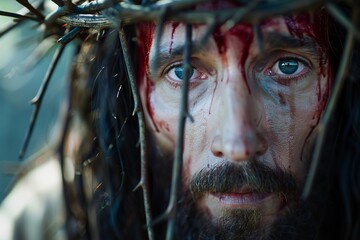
(288,66)
(179,72)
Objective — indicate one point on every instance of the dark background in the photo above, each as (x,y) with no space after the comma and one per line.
(21,75)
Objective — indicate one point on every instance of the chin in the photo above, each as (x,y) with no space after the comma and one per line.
(294,220)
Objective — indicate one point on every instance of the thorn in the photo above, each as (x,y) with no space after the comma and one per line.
(35,100)
(69,36)
(191,118)
(139,185)
(161,218)
(58,2)
(136,109)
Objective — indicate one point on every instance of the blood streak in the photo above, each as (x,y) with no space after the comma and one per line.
(220,41)
(149,89)
(174,26)
(245,35)
(318,88)
(145,34)
(300,25)
(306,25)
(145,38)
(164,125)
(281,98)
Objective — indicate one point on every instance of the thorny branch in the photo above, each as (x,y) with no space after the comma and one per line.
(144,183)
(32,9)
(95,15)
(131,13)
(18,16)
(38,99)
(339,83)
(178,159)
(335,11)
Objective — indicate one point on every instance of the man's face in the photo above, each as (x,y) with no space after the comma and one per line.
(247,151)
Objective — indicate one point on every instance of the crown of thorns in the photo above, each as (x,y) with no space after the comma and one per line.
(102,14)
(71,17)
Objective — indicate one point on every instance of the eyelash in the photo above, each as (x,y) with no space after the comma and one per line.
(282,79)
(176,83)
(288,79)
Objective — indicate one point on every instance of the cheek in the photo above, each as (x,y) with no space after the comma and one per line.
(161,119)
(290,119)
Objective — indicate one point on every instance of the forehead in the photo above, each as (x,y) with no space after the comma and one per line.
(298,26)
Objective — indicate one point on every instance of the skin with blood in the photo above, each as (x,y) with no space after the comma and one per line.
(242,108)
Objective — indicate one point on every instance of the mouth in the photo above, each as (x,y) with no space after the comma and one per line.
(242,199)
(220,203)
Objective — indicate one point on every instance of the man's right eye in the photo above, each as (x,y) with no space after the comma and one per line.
(179,72)
(175,74)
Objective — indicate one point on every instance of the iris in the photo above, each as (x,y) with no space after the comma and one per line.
(288,66)
(179,72)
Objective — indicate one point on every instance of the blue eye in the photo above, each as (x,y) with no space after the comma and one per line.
(288,66)
(179,72)
(176,74)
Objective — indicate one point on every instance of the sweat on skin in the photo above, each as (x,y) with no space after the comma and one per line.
(247,106)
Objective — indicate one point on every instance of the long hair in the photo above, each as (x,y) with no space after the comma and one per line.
(341,152)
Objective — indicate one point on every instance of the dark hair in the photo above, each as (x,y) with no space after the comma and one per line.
(117,209)
(341,152)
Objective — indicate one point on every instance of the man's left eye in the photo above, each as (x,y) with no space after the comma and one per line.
(288,67)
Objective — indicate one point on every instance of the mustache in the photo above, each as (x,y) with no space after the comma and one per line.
(253,176)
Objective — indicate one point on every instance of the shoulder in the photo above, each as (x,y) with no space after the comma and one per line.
(34,208)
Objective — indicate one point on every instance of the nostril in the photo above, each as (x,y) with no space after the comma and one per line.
(217,153)
(262,147)
(216,147)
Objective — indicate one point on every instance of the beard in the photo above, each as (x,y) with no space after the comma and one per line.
(297,219)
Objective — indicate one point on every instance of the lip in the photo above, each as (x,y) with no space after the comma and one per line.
(242,199)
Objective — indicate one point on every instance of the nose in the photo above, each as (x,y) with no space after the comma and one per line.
(238,137)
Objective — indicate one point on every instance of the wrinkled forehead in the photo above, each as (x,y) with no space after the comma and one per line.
(174,33)
(298,26)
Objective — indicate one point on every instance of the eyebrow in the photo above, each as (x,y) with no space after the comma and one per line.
(165,55)
(271,40)
(276,40)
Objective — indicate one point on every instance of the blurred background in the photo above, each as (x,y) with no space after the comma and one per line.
(23,64)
